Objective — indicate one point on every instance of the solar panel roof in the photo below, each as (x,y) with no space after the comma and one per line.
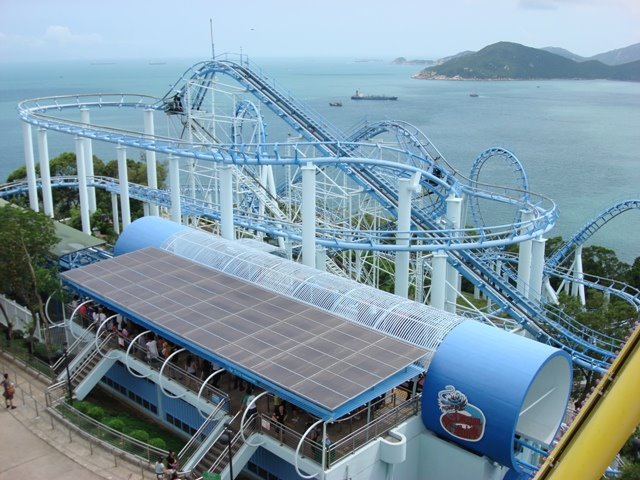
(279,341)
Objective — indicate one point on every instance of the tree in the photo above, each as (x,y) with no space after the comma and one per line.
(603,262)
(26,238)
(633,274)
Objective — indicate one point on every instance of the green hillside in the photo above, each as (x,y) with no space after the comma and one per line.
(506,61)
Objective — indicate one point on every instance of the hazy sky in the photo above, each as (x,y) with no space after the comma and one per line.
(426,29)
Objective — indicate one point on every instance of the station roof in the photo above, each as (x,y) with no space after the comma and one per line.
(314,359)
(72,240)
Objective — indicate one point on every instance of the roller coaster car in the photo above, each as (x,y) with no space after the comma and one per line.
(173,105)
(438,174)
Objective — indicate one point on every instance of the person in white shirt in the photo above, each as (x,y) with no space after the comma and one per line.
(152,350)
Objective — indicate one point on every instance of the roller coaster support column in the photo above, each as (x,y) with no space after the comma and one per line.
(152,173)
(31,168)
(114,213)
(309,214)
(174,186)
(454,217)
(88,159)
(226,203)
(123,178)
(537,268)
(82,186)
(438,279)
(577,287)
(406,187)
(45,173)
(321,258)
(550,293)
(524,258)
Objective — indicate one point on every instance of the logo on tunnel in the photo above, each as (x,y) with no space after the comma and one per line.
(460,418)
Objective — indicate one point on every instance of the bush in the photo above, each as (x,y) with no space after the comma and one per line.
(139,435)
(158,443)
(83,407)
(631,471)
(41,351)
(95,412)
(116,424)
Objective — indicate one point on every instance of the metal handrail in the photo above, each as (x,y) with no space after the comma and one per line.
(373,430)
(237,439)
(152,452)
(195,463)
(194,441)
(72,348)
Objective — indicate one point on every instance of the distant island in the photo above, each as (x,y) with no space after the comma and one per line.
(512,61)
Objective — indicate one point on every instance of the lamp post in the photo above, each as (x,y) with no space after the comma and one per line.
(226,437)
(65,356)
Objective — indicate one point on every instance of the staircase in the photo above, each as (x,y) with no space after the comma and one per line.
(216,459)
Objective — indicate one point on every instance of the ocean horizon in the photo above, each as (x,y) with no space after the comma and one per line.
(577,140)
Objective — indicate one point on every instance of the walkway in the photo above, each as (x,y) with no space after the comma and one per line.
(35,446)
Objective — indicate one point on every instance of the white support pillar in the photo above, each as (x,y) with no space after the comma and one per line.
(476,293)
(454,217)
(524,258)
(419,293)
(174,187)
(114,213)
(549,292)
(152,169)
(321,258)
(403,237)
(88,159)
(45,172)
(309,214)
(577,287)
(438,279)
(226,203)
(82,187)
(537,268)
(31,168)
(123,177)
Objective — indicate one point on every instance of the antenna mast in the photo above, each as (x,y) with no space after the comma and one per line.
(213,50)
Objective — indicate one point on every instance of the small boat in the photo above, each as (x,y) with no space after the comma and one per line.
(361,96)
(335,104)
(474,95)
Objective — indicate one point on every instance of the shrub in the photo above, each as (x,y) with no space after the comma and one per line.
(116,424)
(83,406)
(631,471)
(96,412)
(41,351)
(140,435)
(158,443)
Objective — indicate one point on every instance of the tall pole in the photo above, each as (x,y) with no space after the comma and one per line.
(213,49)
(65,354)
(227,435)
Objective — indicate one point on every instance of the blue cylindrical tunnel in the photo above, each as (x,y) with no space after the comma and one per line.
(484,386)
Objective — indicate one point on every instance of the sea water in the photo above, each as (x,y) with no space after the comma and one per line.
(578,140)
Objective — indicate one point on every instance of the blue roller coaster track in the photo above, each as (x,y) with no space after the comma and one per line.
(588,229)
(371,172)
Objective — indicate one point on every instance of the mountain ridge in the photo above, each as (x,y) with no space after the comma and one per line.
(513,61)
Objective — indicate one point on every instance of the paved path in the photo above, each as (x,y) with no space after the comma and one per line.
(34,446)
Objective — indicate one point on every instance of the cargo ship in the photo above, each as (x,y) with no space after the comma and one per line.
(361,96)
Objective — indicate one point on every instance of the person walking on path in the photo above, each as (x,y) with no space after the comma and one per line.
(9,391)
